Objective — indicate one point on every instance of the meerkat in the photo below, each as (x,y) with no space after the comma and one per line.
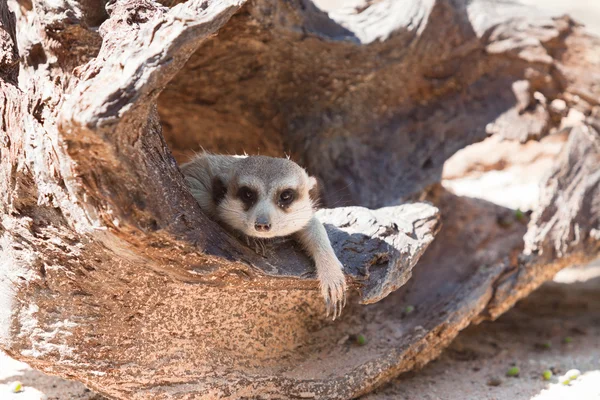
(267,197)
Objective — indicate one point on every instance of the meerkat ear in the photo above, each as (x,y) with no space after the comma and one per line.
(314,192)
(219,190)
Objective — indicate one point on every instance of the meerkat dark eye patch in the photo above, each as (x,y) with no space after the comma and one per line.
(247,195)
(286,197)
(219,190)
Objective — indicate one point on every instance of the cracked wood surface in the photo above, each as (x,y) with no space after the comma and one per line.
(111,275)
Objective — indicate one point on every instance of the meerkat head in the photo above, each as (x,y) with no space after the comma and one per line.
(267,197)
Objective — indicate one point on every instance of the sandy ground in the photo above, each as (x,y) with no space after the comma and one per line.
(37,385)
(557,328)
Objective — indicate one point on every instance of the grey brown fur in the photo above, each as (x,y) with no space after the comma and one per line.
(245,193)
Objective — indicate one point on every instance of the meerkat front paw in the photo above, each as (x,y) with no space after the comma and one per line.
(333,285)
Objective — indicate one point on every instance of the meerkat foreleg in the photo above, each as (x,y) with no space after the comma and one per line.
(329,269)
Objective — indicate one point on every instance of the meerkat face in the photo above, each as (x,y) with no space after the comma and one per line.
(268,197)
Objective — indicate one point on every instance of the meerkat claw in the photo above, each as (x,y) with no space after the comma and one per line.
(335,309)
(341,301)
(334,294)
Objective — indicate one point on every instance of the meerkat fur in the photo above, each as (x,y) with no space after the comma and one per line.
(267,197)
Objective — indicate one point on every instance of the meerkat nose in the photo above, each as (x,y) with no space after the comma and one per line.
(262,224)
(262,227)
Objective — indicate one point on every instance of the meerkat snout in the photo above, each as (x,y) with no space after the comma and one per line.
(262,224)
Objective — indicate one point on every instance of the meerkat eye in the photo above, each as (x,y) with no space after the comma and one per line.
(286,197)
(246,194)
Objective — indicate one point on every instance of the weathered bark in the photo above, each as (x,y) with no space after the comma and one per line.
(360,88)
(109,272)
(565,230)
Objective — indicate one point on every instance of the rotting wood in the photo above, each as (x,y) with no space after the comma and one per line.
(111,275)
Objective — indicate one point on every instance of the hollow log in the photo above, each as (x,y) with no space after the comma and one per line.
(110,274)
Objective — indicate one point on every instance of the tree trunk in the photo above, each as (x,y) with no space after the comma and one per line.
(110,274)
